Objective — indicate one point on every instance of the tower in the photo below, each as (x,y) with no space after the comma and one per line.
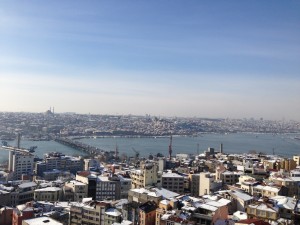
(221,148)
(170,148)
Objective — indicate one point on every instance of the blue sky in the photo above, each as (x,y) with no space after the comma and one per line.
(174,58)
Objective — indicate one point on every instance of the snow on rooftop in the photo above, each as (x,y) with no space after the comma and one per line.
(113,212)
(42,220)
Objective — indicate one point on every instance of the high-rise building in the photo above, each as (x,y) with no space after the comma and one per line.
(21,163)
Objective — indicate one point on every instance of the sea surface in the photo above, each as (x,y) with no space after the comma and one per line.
(283,144)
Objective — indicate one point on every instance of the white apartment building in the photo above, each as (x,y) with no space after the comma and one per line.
(208,183)
(20,164)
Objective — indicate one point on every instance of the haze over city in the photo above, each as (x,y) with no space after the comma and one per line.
(171,58)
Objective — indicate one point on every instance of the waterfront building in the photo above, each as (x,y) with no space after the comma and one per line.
(58,161)
(20,163)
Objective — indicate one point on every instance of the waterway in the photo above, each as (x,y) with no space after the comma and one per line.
(283,144)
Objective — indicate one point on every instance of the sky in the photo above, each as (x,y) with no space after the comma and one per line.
(216,59)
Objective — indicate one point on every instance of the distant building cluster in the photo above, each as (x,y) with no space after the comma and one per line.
(48,125)
(209,188)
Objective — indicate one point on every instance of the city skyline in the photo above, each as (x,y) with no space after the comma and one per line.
(171,58)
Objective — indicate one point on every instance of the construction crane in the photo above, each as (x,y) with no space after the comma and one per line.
(170,148)
(137,153)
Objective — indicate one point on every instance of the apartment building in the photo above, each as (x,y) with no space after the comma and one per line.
(147,175)
(208,183)
(50,194)
(125,184)
(111,216)
(229,177)
(59,161)
(20,163)
(173,182)
(75,191)
(88,212)
(25,192)
(148,213)
(108,188)
(266,211)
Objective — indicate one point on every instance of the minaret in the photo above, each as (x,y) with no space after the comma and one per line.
(170,148)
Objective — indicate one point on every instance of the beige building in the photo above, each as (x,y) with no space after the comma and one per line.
(88,212)
(50,194)
(147,175)
(267,191)
(173,182)
(208,183)
(262,210)
(112,215)
(142,195)
(296,158)
(229,177)
(75,191)
(247,183)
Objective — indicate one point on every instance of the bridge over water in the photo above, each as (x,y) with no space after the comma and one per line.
(91,150)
